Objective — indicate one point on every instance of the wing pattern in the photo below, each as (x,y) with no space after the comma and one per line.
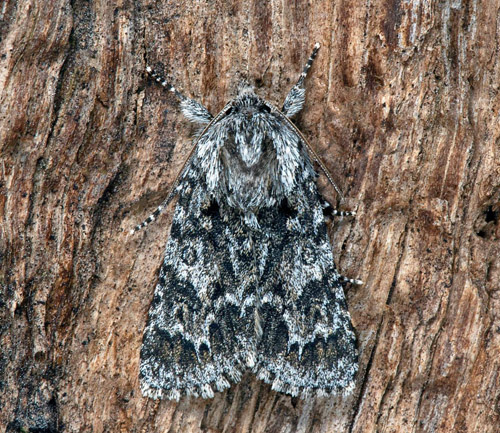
(248,280)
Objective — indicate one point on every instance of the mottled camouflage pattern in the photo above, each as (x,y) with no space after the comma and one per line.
(248,280)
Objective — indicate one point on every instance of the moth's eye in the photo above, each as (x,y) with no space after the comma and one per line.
(229,111)
(264,109)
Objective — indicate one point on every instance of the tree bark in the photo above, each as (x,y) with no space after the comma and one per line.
(402,104)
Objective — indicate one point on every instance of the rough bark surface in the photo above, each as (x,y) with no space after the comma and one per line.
(403,105)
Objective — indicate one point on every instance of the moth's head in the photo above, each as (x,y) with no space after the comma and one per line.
(247,103)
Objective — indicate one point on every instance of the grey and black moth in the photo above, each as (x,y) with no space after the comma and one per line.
(248,281)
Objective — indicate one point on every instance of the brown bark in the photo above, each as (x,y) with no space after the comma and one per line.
(403,105)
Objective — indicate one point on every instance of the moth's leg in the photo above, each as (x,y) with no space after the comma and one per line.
(192,109)
(294,101)
(350,280)
(341,213)
(329,211)
(153,216)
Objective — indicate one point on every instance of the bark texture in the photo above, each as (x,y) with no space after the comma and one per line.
(403,105)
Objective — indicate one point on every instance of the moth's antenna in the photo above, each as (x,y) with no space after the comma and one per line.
(296,97)
(192,109)
(294,103)
(159,79)
(308,65)
(195,112)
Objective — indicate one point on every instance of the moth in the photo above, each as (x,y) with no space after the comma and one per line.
(248,281)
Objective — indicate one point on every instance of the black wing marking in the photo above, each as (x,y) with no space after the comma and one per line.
(308,342)
(200,330)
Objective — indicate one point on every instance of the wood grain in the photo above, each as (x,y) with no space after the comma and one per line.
(402,104)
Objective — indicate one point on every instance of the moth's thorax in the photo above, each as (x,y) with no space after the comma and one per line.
(247,127)
(248,159)
(257,158)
